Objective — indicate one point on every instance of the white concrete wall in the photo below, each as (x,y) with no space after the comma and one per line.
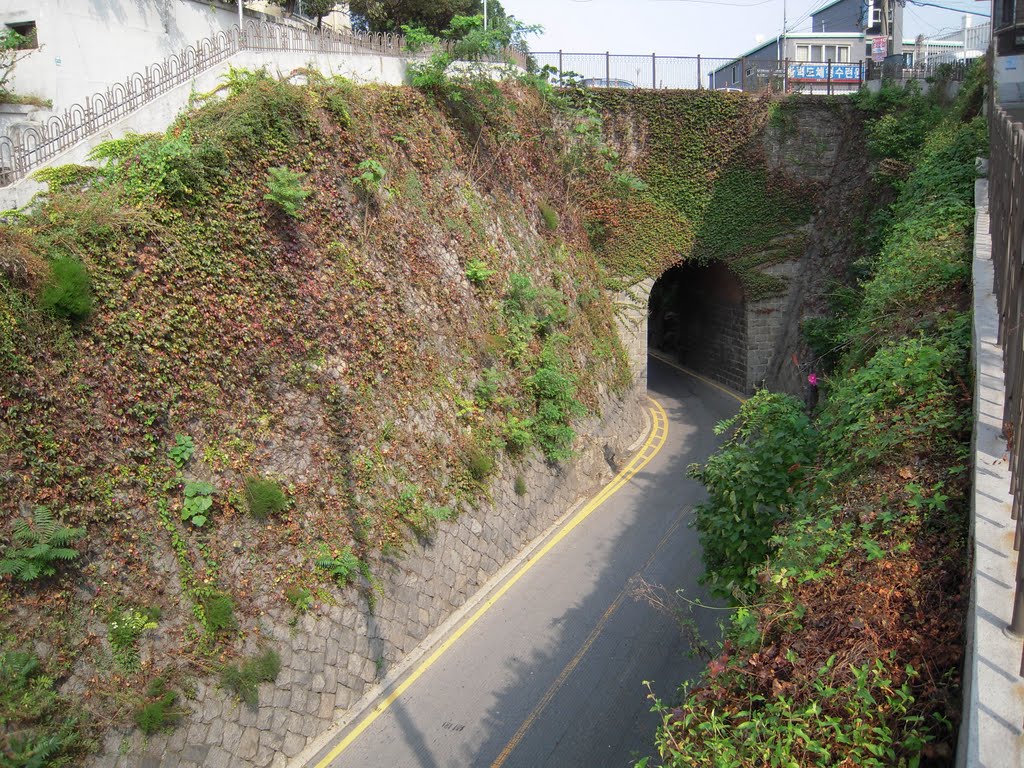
(158,114)
(86,45)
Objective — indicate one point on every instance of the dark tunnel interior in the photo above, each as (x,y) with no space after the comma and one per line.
(697,318)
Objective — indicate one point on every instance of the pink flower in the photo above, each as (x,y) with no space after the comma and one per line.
(813,379)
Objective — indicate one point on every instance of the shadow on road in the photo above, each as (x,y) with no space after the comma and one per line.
(582,695)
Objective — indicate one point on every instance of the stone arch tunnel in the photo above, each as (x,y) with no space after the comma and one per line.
(697,316)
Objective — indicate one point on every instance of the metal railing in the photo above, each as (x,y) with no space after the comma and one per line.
(30,146)
(697,72)
(1006,206)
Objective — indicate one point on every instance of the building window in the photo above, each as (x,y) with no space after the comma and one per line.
(822,53)
(27,30)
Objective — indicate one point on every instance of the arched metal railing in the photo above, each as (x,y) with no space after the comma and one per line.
(31,146)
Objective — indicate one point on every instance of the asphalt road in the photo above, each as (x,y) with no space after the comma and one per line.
(551,674)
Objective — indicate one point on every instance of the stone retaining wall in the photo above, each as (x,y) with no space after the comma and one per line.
(337,653)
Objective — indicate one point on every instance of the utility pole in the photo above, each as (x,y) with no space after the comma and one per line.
(485,15)
(887,29)
(239,16)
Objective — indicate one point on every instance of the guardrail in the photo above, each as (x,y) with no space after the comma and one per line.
(1006,179)
(30,146)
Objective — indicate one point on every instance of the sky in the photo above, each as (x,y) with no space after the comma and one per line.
(713,28)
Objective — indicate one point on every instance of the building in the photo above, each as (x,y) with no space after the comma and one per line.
(834,55)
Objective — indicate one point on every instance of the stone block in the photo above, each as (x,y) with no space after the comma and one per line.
(248,744)
(219,758)
(293,744)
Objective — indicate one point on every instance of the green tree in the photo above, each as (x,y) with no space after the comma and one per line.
(317,8)
(434,16)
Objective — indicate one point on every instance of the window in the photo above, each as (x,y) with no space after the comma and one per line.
(27,30)
(803,53)
(867,50)
(821,53)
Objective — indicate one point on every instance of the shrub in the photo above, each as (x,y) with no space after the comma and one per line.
(198,500)
(285,190)
(371,174)
(38,728)
(158,713)
(243,679)
(39,547)
(518,435)
(300,597)
(182,450)
(751,480)
(125,627)
(264,497)
(479,462)
(219,612)
(342,566)
(68,291)
(520,485)
(477,272)
(549,215)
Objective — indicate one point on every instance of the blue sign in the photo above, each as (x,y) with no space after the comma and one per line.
(818,73)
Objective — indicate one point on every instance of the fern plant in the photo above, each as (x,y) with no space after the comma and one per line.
(39,547)
(342,567)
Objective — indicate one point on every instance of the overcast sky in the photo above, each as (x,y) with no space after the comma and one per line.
(691,27)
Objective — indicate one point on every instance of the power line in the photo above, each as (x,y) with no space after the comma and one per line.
(950,8)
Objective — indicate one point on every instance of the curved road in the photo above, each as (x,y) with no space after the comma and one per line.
(551,673)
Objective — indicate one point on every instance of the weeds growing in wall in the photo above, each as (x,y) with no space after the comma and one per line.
(349,293)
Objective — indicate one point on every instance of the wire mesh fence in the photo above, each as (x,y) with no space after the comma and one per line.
(631,70)
(691,72)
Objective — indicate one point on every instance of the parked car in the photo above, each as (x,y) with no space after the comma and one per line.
(600,82)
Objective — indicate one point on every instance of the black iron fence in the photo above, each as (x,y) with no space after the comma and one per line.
(30,146)
(1006,200)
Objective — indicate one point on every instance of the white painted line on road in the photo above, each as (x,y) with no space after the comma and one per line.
(652,445)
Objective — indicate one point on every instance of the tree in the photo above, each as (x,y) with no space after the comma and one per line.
(433,15)
(11,53)
(318,8)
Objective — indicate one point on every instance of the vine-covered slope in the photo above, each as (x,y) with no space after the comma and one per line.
(842,540)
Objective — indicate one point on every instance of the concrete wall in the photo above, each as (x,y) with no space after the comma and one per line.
(160,113)
(991,734)
(338,654)
(85,45)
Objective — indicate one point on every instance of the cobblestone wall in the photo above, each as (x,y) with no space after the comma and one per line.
(337,653)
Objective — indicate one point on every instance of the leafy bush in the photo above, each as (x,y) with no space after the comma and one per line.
(40,547)
(371,174)
(832,727)
(218,611)
(520,485)
(549,215)
(264,497)
(244,679)
(158,712)
(342,566)
(38,728)
(285,190)
(198,500)
(477,272)
(182,450)
(300,597)
(479,462)
(125,626)
(751,481)
(68,291)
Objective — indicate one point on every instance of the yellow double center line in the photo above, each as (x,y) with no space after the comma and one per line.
(653,444)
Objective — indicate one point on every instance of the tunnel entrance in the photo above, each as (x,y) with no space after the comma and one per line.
(698,317)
